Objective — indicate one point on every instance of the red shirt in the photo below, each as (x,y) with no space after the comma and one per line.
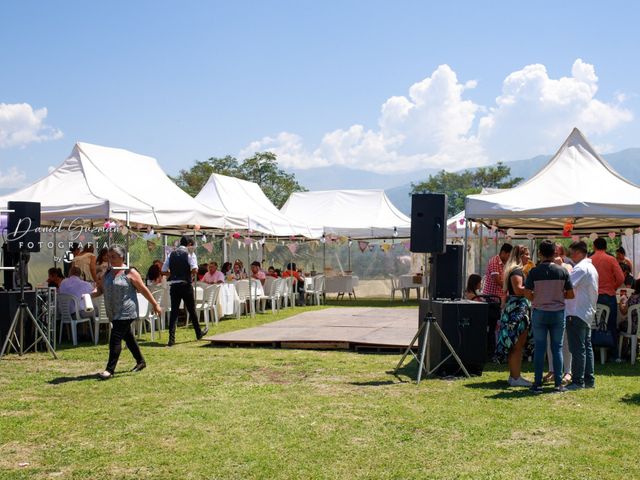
(491,284)
(610,275)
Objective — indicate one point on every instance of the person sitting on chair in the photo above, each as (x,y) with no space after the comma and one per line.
(257,273)
(55,277)
(213,275)
(474,284)
(77,287)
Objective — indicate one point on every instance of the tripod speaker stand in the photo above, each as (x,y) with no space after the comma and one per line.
(423,358)
(15,335)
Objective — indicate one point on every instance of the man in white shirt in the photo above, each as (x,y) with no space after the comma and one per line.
(580,313)
(74,285)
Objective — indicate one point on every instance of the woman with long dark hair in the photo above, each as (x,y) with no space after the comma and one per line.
(516,317)
(120,287)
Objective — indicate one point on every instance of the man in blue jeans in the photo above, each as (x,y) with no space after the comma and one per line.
(547,286)
(580,313)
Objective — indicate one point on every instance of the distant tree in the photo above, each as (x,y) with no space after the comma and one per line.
(457,185)
(192,180)
(261,168)
(277,185)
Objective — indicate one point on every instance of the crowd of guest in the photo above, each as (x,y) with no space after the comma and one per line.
(550,307)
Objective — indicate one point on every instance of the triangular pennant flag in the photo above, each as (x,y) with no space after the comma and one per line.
(151,245)
(208,247)
(363,245)
(293,248)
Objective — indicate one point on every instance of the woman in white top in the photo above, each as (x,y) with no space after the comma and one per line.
(86,262)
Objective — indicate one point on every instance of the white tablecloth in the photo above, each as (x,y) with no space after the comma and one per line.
(406,281)
(228,299)
(344,284)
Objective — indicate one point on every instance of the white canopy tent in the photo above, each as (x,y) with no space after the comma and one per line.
(349,213)
(576,186)
(97,182)
(244,199)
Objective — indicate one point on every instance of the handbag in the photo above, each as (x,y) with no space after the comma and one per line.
(601,336)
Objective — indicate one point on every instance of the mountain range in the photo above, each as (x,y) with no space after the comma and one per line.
(398,186)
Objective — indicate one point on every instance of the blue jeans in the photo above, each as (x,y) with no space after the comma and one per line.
(579,336)
(612,323)
(544,323)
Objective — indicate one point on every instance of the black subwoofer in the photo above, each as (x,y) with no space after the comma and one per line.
(464,323)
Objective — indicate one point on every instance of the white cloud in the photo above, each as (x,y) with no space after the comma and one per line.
(535,113)
(20,125)
(12,178)
(435,126)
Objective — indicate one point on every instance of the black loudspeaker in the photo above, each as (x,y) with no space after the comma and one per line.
(464,323)
(428,222)
(446,273)
(10,259)
(23,227)
(9,302)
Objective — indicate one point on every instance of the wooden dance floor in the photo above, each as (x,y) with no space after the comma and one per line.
(340,328)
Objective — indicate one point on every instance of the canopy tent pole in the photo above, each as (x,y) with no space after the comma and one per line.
(464,255)
(481,249)
(324,254)
(633,254)
(225,253)
(165,241)
(349,244)
(55,250)
(251,307)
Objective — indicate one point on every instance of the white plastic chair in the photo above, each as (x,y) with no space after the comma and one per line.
(146,316)
(205,302)
(242,288)
(258,295)
(273,295)
(69,309)
(316,293)
(165,303)
(633,337)
(395,286)
(100,317)
(159,295)
(288,293)
(601,318)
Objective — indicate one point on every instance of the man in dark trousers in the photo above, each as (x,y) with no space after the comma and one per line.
(182,266)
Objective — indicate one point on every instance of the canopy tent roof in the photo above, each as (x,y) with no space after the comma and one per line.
(576,186)
(242,198)
(94,182)
(349,213)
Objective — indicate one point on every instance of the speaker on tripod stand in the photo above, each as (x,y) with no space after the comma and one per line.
(23,237)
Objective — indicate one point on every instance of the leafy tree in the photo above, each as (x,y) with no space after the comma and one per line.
(261,168)
(457,185)
(192,180)
(277,185)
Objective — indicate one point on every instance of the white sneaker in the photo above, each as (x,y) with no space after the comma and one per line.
(519,382)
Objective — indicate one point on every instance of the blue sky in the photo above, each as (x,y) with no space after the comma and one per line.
(182,81)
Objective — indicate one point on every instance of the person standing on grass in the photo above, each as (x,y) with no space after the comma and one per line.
(494,277)
(182,266)
(610,277)
(515,322)
(580,314)
(547,286)
(120,287)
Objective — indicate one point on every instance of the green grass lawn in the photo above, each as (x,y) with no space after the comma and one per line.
(204,412)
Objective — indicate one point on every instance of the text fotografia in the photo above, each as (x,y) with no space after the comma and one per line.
(75,227)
